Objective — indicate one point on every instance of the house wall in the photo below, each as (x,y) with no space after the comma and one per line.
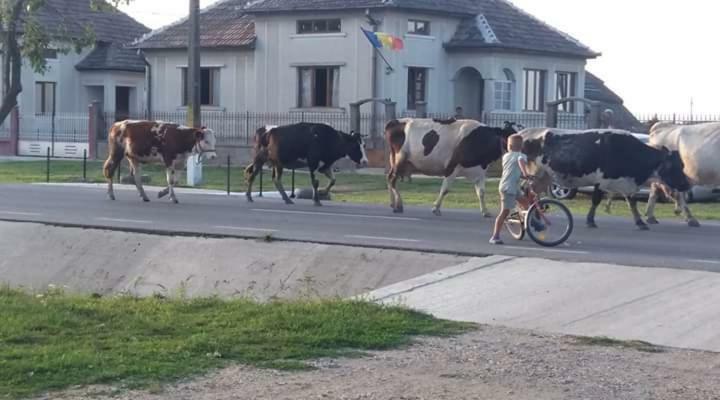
(266,79)
(90,83)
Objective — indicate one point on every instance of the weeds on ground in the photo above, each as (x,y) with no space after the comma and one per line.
(52,341)
(625,344)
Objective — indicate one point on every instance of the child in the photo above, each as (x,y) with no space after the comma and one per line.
(514,167)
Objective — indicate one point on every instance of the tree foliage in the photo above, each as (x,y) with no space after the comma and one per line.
(23,37)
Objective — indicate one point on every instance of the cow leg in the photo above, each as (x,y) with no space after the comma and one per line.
(136,170)
(170,176)
(608,204)
(277,180)
(444,190)
(111,165)
(330,174)
(652,201)
(251,172)
(596,200)
(632,202)
(681,201)
(315,184)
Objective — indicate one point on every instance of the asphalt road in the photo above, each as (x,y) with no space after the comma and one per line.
(617,241)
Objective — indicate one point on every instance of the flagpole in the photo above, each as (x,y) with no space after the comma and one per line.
(389,67)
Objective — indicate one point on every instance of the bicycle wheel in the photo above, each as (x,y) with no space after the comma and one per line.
(515,225)
(549,223)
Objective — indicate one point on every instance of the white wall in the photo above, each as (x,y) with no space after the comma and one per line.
(89,80)
(266,79)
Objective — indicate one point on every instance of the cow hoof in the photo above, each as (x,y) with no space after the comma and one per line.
(289,202)
(437,212)
(163,193)
(643,227)
(249,199)
(653,221)
(111,197)
(592,225)
(317,204)
(145,200)
(693,223)
(487,215)
(398,210)
(175,201)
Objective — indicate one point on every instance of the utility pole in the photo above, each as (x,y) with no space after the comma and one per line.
(193,75)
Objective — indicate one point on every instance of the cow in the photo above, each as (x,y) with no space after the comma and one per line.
(144,142)
(612,161)
(446,148)
(318,146)
(699,146)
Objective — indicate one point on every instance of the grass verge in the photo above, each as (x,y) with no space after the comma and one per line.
(354,188)
(53,341)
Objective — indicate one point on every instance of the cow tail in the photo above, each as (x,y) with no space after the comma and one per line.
(115,151)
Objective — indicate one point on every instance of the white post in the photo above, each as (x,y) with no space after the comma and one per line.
(194,170)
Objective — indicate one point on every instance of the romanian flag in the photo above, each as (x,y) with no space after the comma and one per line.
(380,40)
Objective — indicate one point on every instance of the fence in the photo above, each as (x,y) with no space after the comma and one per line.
(679,118)
(5,128)
(64,127)
(238,128)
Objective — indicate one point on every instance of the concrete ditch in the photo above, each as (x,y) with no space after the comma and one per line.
(105,262)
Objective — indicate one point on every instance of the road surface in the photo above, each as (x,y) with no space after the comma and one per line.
(617,241)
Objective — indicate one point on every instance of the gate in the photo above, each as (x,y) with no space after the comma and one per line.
(66,135)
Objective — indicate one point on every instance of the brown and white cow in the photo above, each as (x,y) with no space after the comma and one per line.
(143,142)
(699,147)
(447,148)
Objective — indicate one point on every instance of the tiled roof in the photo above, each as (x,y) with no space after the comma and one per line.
(74,17)
(595,89)
(223,24)
(502,25)
(112,57)
(487,24)
(466,7)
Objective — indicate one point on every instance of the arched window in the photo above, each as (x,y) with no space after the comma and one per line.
(504,91)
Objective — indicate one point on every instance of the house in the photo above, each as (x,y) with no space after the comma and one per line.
(622,118)
(53,106)
(285,56)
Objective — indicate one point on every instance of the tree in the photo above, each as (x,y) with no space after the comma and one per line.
(22,37)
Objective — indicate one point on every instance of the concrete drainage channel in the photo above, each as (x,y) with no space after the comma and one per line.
(107,261)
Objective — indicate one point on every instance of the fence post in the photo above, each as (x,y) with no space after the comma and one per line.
(14,130)
(247,127)
(551,115)
(93,128)
(228,175)
(421,109)
(85,152)
(47,166)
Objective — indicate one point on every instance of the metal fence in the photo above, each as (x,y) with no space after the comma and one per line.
(679,118)
(535,119)
(5,128)
(238,128)
(63,127)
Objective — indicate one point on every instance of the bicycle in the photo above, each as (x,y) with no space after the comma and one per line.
(548,222)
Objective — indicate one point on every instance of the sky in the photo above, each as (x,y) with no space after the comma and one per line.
(658,55)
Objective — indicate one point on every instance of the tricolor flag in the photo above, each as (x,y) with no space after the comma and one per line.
(380,40)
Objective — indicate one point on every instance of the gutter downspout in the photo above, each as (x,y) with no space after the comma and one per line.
(148,84)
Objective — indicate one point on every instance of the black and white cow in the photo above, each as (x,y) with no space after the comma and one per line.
(447,148)
(613,161)
(318,146)
(699,148)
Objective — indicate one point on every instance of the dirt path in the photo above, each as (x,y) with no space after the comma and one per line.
(493,363)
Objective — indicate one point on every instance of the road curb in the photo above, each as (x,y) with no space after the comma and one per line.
(434,278)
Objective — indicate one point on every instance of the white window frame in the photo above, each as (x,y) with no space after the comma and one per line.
(45,103)
(426,81)
(314,21)
(414,23)
(308,100)
(503,95)
(535,90)
(571,89)
(214,87)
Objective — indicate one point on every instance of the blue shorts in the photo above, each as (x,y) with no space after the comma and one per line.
(508,200)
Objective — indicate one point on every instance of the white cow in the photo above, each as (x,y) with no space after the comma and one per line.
(448,148)
(699,148)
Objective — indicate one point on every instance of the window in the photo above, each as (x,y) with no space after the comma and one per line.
(504,91)
(318,87)
(417,27)
(319,26)
(209,87)
(535,90)
(50,54)
(44,97)
(417,86)
(566,84)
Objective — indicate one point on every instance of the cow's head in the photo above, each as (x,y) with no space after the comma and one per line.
(508,129)
(671,171)
(355,148)
(205,143)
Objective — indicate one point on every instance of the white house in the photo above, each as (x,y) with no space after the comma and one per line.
(53,105)
(486,56)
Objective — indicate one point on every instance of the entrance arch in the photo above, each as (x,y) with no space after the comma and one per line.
(470,92)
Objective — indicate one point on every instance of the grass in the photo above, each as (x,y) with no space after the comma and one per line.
(53,341)
(355,188)
(625,344)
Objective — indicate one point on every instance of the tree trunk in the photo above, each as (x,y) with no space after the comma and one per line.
(12,62)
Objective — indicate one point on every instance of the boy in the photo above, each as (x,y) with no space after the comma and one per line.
(514,167)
